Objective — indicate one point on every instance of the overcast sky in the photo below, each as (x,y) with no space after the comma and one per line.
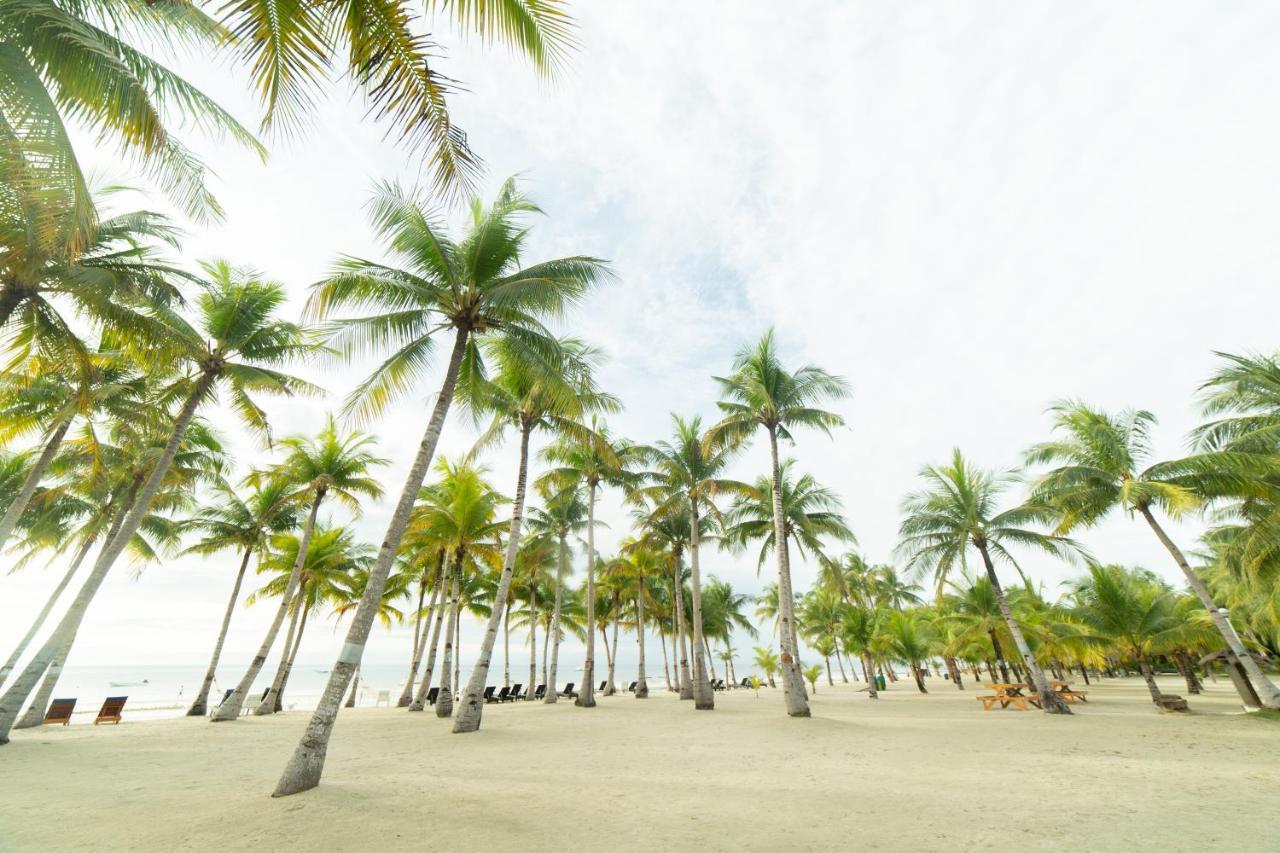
(968,210)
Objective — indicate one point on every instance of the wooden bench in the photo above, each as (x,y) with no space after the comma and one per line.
(1006,695)
(59,712)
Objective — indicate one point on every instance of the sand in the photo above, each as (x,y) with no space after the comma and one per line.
(909,772)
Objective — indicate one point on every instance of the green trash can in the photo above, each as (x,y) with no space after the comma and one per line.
(879,682)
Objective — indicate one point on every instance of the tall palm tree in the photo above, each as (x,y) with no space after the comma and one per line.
(594,459)
(761,393)
(332,465)
(666,527)
(549,390)
(472,288)
(957,510)
(235,344)
(347,597)
(245,524)
(1099,461)
(859,632)
(562,515)
(912,640)
(689,469)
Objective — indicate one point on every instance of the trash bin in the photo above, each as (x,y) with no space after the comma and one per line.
(879,682)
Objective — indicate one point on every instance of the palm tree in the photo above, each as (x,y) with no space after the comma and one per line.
(973,609)
(768,662)
(532,390)
(236,339)
(245,524)
(1099,461)
(534,564)
(811,513)
(956,511)
(458,514)
(688,470)
(472,288)
(330,465)
(1130,609)
(666,527)
(562,515)
(83,62)
(350,591)
(911,640)
(594,459)
(761,393)
(862,626)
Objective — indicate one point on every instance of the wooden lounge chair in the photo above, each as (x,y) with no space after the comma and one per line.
(501,696)
(111,709)
(432,695)
(59,712)
(540,692)
(516,695)
(568,692)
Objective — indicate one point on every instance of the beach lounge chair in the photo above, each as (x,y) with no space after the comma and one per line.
(488,693)
(111,709)
(540,692)
(59,712)
(746,682)
(501,696)
(516,695)
(433,694)
(632,687)
(568,692)
(384,698)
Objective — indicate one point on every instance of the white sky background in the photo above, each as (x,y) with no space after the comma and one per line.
(968,210)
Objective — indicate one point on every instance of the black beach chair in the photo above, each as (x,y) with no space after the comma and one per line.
(515,694)
(568,693)
(432,695)
(540,692)
(59,712)
(632,688)
(488,693)
(602,686)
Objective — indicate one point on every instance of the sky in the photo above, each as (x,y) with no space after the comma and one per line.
(967,210)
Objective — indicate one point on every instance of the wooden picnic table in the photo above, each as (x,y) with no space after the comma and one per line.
(1064,690)
(1009,694)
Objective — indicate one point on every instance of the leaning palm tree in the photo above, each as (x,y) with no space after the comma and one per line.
(235,345)
(956,511)
(245,524)
(593,459)
(332,465)
(688,470)
(471,288)
(545,389)
(1100,460)
(761,393)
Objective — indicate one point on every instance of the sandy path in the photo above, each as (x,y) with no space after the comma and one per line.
(908,772)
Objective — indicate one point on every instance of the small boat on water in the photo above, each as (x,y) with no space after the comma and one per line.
(326,672)
(128,683)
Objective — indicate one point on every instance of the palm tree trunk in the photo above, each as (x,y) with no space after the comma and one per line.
(666,664)
(710,658)
(844,678)
(355,684)
(533,651)
(1050,701)
(230,709)
(682,682)
(40,704)
(553,633)
(703,698)
(293,655)
(13,698)
(869,668)
(472,707)
(457,649)
(47,609)
(1188,671)
(797,702)
(830,681)
(438,611)
(919,676)
(420,642)
(199,707)
(1149,677)
(32,481)
(444,701)
(642,686)
(1263,686)
(268,705)
(506,646)
(610,687)
(307,764)
(546,648)
(587,692)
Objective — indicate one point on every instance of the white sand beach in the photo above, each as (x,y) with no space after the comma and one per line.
(906,772)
